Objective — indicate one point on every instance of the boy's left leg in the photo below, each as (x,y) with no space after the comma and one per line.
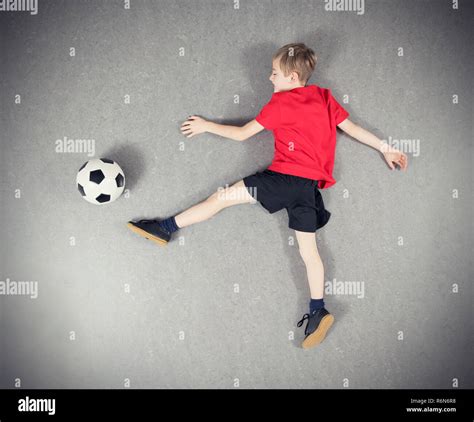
(319,319)
(161,231)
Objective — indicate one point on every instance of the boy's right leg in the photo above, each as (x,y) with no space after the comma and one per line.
(223,198)
(160,231)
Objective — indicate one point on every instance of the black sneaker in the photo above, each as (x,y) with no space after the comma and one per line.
(319,322)
(150,229)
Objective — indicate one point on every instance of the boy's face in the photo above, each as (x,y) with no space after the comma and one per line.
(282,82)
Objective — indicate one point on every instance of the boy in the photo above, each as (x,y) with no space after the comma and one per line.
(303,119)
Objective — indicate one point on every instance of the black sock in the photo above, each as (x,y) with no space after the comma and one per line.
(169,224)
(315,305)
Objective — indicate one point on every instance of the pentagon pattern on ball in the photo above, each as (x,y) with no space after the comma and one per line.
(103,198)
(120,180)
(81,189)
(96,176)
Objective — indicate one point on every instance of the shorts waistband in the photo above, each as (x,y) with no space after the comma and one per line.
(312,181)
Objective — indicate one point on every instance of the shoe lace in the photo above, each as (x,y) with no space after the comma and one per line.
(305,317)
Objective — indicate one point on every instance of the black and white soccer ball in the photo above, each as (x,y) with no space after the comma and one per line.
(100,181)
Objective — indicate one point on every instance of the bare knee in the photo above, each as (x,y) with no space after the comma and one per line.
(215,200)
(230,195)
(220,198)
(309,254)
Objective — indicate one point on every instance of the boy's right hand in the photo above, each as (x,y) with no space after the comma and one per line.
(194,126)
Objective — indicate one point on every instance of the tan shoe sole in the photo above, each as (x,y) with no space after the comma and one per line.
(146,235)
(320,333)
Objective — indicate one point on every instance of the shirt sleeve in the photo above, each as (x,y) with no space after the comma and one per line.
(340,113)
(269,116)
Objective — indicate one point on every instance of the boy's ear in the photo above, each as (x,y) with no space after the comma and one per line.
(294,76)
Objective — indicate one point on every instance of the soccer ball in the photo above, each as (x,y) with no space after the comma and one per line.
(100,181)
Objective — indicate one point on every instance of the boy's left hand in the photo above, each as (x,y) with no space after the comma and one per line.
(394,156)
(193,126)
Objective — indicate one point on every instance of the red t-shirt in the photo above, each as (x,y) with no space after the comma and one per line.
(303,121)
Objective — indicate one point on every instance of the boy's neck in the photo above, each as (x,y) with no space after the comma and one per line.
(289,89)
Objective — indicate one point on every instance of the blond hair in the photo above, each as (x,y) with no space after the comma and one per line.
(296,58)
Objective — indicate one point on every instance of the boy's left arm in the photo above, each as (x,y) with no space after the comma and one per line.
(390,154)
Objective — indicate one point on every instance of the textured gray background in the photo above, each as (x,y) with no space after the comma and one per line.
(190,287)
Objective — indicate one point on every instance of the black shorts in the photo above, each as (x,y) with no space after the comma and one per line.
(300,197)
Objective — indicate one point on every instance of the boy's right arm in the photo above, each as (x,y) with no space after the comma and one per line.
(195,125)
(237,133)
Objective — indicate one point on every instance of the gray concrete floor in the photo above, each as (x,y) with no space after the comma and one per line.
(113,307)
